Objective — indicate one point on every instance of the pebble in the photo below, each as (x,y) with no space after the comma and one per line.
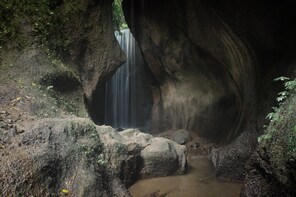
(21,131)
(4,112)
(14,130)
(2,125)
(9,121)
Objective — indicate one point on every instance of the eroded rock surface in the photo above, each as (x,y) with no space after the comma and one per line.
(230,160)
(202,72)
(141,155)
(51,155)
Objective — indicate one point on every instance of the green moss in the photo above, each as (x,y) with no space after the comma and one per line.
(47,18)
(118,16)
(93,148)
(278,144)
(61,73)
(291,154)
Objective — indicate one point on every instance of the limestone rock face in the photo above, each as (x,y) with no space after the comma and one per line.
(203,73)
(94,49)
(212,64)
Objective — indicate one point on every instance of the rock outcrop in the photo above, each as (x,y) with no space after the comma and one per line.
(229,161)
(133,154)
(271,169)
(52,155)
(94,50)
(69,77)
(212,64)
(73,154)
(203,73)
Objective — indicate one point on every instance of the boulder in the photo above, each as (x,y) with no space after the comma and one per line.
(55,156)
(122,156)
(181,136)
(163,157)
(133,154)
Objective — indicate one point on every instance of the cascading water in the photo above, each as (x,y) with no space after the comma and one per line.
(127,96)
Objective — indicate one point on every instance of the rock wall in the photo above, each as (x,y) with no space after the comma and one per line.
(202,72)
(94,50)
(212,67)
(69,76)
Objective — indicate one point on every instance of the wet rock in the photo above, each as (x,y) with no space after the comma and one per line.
(163,157)
(142,155)
(122,155)
(229,161)
(181,136)
(157,153)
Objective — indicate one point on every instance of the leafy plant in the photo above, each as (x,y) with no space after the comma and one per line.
(289,84)
(290,87)
(275,115)
(118,16)
(47,17)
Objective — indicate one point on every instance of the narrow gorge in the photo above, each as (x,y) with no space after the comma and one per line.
(147,98)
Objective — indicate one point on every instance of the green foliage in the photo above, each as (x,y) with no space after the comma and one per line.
(276,116)
(266,136)
(290,87)
(118,16)
(47,17)
(50,22)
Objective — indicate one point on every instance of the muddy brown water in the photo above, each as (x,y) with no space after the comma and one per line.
(200,181)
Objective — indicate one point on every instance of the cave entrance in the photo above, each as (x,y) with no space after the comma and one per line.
(127,95)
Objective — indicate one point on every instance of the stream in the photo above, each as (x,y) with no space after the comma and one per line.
(199,181)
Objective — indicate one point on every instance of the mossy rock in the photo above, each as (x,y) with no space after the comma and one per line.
(272,166)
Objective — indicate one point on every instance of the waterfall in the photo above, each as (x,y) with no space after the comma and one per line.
(127,96)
